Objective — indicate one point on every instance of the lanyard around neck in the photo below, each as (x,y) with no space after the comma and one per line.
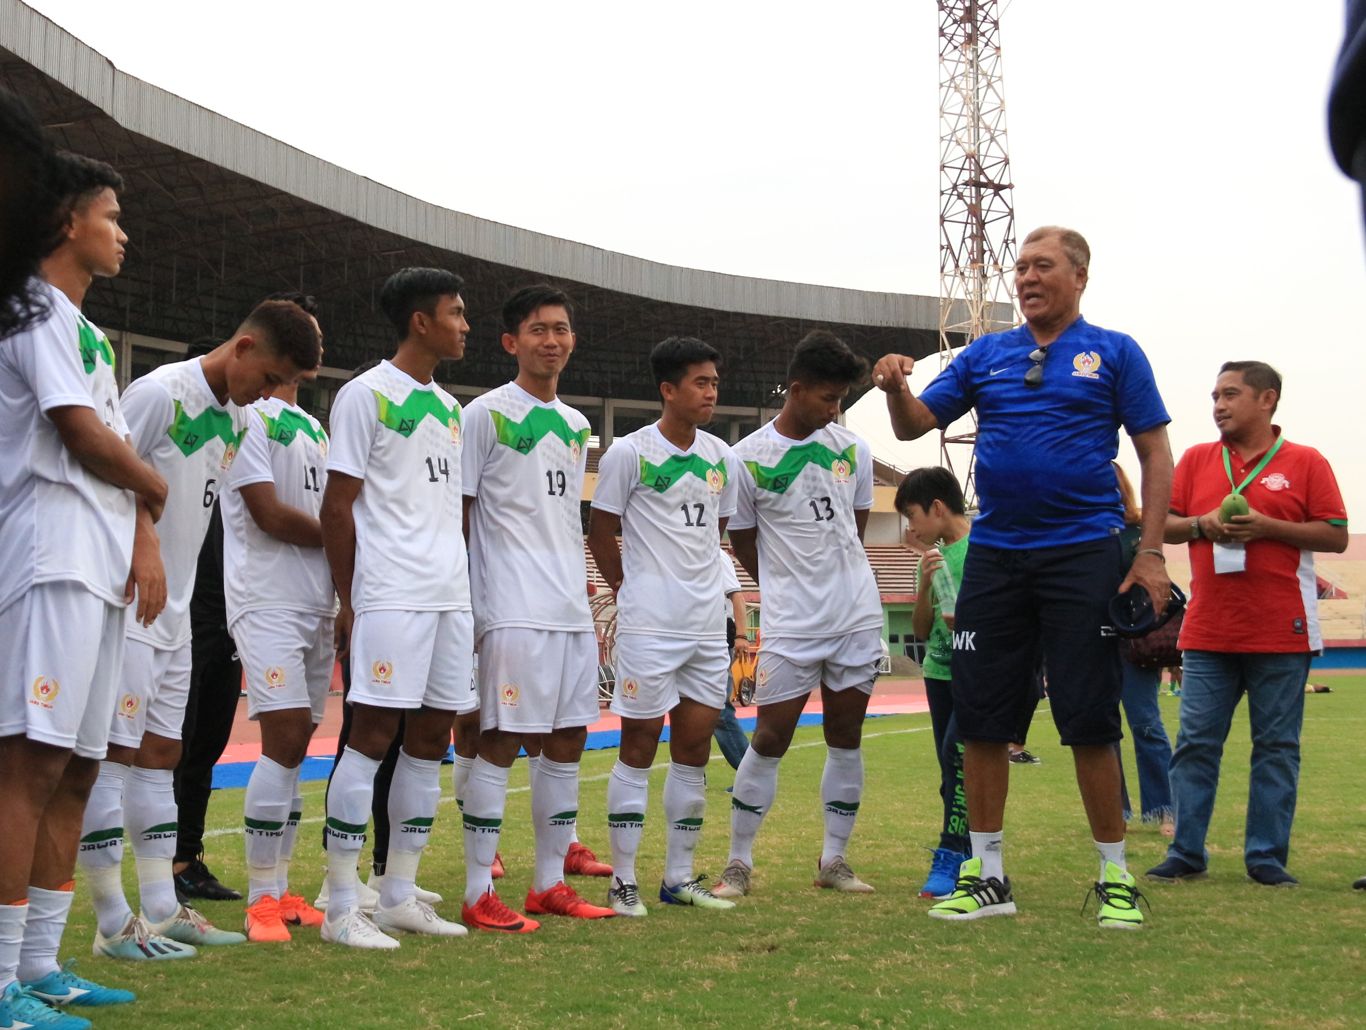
(1266,460)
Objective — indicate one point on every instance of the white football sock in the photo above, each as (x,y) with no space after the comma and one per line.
(414,794)
(554,814)
(296,812)
(12,919)
(101,851)
(756,785)
(841,794)
(348,814)
(150,810)
(987,847)
(628,795)
(264,814)
(685,803)
(485,798)
(47,915)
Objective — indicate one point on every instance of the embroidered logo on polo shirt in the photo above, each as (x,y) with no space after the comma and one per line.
(1086,365)
(1275,482)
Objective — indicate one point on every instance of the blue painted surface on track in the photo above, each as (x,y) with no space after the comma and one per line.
(318,767)
(1340,658)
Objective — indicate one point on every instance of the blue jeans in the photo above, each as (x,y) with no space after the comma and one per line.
(730,737)
(1211,686)
(1152,748)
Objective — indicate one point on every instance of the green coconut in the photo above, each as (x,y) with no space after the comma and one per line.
(1233,504)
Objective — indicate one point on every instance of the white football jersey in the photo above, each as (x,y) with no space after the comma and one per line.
(61,523)
(814,576)
(669,501)
(524,465)
(287,448)
(181,430)
(403,438)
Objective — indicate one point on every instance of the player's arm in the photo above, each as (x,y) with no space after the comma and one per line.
(603,527)
(103,453)
(911,419)
(466,508)
(1306,536)
(745,544)
(1149,568)
(284,522)
(861,522)
(338,522)
(922,616)
(147,576)
(738,613)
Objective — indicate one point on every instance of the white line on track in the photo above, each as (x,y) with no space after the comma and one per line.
(236,831)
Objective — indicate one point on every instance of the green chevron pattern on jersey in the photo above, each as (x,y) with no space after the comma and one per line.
(94,347)
(539,423)
(190,434)
(404,418)
(289,424)
(777,478)
(668,472)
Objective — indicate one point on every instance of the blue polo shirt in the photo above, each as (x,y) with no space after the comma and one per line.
(1043,453)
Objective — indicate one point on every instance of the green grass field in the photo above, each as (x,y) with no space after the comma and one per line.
(1219,951)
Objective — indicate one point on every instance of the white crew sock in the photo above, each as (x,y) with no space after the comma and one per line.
(756,785)
(460,778)
(150,810)
(685,802)
(485,798)
(101,850)
(12,919)
(348,814)
(1111,852)
(554,814)
(628,796)
(841,794)
(414,795)
(264,814)
(47,915)
(987,847)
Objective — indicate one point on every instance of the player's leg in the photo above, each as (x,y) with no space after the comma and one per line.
(692,721)
(781,690)
(645,691)
(500,739)
(465,739)
(563,690)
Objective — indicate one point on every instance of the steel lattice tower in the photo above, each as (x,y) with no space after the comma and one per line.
(976,206)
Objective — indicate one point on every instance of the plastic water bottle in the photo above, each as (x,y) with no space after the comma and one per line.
(945,590)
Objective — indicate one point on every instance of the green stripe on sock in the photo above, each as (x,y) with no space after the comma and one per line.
(849,807)
(340,827)
(693,823)
(736,803)
(162,828)
(99,836)
(261,824)
(616,818)
(418,821)
(473,822)
(574,814)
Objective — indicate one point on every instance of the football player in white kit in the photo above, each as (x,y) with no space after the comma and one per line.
(805,490)
(68,485)
(669,488)
(280,608)
(391,521)
(524,461)
(186,419)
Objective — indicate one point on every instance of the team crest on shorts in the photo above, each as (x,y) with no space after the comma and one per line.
(762,677)
(839,468)
(129,705)
(229,452)
(275,677)
(455,431)
(382,672)
(1275,482)
(630,689)
(509,694)
(1086,365)
(45,691)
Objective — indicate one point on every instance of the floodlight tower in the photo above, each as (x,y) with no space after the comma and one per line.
(976,204)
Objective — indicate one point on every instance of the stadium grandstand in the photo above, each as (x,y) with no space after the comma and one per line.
(220,215)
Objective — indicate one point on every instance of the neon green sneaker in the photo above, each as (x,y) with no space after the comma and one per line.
(974,897)
(1118,899)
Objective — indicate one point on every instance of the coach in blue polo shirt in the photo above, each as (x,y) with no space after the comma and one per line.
(1050,396)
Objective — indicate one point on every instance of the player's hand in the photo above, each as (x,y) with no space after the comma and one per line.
(891,372)
(1150,572)
(341,630)
(931,561)
(948,619)
(1244,528)
(146,580)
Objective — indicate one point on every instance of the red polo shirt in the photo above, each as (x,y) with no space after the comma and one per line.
(1271,606)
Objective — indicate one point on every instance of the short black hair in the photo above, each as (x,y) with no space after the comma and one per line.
(924,486)
(520,306)
(288,332)
(1258,375)
(202,345)
(671,358)
(304,300)
(82,178)
(416,289)
(822,357)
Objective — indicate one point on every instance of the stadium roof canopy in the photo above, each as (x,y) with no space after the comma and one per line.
(221,215)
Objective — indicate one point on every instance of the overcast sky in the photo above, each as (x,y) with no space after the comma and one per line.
(800,141)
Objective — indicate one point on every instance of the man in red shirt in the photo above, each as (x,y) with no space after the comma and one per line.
(1252,625)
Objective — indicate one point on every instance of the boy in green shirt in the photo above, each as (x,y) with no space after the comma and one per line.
(932,502)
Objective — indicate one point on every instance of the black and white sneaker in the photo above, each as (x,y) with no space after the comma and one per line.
(974,897)
(624,899)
